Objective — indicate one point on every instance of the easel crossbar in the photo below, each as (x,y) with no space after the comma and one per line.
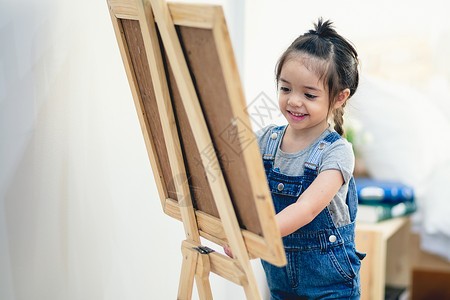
(219,264)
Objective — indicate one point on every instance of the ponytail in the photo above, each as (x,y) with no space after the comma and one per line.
(338,119)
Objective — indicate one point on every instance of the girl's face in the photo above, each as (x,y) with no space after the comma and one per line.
(303,98)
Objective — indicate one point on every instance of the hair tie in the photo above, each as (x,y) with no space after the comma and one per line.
(314,32)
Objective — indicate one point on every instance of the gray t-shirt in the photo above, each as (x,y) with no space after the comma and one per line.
(338,156)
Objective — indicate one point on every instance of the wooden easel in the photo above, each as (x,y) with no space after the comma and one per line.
(207,166)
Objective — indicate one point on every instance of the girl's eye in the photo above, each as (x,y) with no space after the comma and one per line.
(309,96)
(285,89)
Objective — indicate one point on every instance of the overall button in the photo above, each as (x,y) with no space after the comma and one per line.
(274,136)
(280,186)
(321,146)
(332,238)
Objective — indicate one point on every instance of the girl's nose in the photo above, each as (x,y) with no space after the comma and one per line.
(295,100)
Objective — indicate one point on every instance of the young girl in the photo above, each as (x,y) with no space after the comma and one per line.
(309,170)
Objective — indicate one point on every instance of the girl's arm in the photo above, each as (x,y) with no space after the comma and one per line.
(311,202)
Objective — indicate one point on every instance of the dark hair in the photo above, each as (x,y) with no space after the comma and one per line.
(332,57)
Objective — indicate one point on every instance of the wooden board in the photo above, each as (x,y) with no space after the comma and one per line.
(200,189)
(133,38)
(196,148)
(203,61)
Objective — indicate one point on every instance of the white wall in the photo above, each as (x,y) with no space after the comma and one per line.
(80,216)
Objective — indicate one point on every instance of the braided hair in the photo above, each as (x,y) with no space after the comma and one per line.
(333,58)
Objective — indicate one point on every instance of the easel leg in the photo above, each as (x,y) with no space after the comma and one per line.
(195,265)
(251,291)
(202,277)
(187,274)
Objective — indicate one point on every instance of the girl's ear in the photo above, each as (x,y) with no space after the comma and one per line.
(341,98)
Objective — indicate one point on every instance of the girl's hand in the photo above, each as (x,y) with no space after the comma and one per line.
(227,250)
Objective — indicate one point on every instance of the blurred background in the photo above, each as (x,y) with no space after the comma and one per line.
(80,216)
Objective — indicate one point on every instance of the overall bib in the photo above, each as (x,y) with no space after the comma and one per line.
(322,260)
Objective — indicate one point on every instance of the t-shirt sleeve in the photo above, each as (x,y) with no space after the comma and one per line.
(339,156)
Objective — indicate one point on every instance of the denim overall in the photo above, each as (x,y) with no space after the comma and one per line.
(322,260)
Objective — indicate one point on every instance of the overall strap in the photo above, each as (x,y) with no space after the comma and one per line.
(312,163)
(272,143)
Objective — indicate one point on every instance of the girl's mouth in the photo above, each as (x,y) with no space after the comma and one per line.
(297,116)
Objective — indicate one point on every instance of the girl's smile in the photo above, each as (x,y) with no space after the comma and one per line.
(297,116)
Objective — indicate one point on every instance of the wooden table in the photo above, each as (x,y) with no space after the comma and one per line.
(387,262)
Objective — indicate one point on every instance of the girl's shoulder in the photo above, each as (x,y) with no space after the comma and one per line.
(336,140)
(339,155)
(341,144)
(265,130)
(262,134)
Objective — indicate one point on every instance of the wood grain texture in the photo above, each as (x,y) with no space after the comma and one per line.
(200,190)
(203,61)
(124,9)
(133,36)
(194,15)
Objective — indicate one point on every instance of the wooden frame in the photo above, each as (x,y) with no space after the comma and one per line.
(206,163)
